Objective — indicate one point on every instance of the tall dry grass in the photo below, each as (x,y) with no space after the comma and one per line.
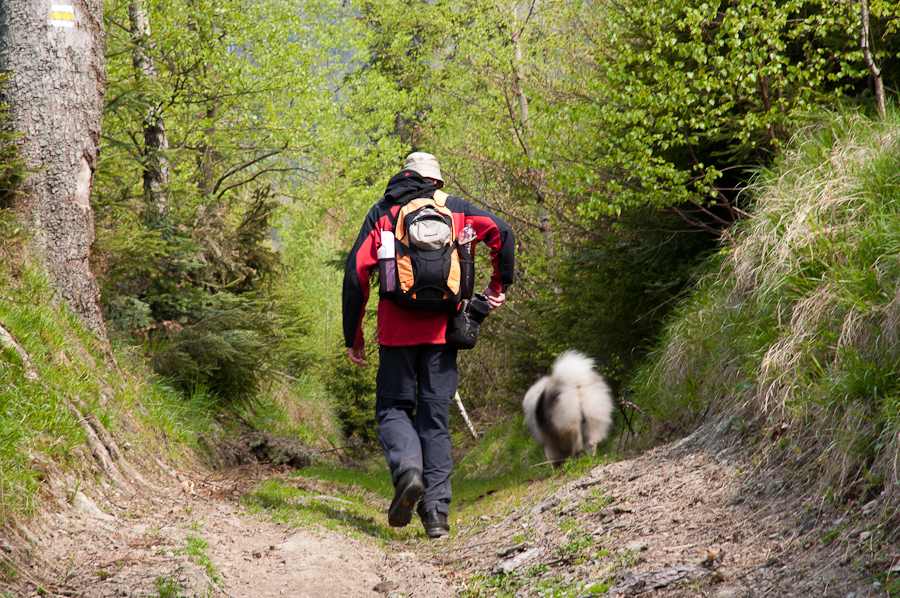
(795,329)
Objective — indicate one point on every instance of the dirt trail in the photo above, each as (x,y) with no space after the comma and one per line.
(689,519)
(194,538)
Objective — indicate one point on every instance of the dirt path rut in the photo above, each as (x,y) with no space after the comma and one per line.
(185,542)
(690,519)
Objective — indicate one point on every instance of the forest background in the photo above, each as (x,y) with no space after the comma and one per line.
(242,144)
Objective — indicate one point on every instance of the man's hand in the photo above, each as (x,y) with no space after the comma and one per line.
(357,355)
(494,298)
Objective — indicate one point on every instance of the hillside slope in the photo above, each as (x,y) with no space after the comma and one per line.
(689,519)
(693,518)
(795,328)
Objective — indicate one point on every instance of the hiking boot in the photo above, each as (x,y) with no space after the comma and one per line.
(407,492)
(434,521)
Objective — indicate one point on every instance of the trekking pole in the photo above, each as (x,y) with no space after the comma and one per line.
(465,415)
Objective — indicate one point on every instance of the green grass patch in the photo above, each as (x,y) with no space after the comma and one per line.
(297,407)
(196,549)
(59,365)
(167,585)
(596,500)
(533,581)
(353,500)
(504,451)
(504,471)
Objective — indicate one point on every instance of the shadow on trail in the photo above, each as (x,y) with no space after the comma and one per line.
(331,511)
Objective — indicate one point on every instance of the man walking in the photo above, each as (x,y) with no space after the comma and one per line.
(417,374)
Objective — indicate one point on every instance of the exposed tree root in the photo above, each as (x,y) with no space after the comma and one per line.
(7,340)
(106,451)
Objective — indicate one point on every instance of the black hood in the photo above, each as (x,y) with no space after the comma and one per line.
(407,185)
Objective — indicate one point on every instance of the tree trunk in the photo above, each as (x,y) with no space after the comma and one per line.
(156,141)
(524,118)
(207,160)
(867,55)
(55,98)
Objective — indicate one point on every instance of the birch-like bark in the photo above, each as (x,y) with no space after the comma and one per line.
(56,55)
(867,55)
(156,141)
(465,416)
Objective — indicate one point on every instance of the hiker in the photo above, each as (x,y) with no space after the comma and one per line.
(417,374)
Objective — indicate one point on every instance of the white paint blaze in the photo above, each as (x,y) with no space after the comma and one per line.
(62,15)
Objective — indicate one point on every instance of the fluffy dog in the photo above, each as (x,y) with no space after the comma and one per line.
(570,410)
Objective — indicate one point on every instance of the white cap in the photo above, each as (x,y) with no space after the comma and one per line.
(426,165)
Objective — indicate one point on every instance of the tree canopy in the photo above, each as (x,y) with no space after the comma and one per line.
(599,130)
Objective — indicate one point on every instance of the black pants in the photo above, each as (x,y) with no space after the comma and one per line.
(414,387)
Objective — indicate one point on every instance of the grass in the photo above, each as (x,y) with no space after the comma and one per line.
(167,585)
(555,575)
(533,581)
(596,500)
(795,325)
(33,393)
(196,548)
(356,498)
(59,363)
(297,407)
(504,456)
(64,365)
(9,571)
(334,497)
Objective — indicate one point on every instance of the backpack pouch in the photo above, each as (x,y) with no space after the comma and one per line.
(429,280)
(429,230)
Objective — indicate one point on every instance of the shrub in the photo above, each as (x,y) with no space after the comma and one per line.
(196,296)
(353,391)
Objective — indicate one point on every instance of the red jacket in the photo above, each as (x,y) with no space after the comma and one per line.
(396,326)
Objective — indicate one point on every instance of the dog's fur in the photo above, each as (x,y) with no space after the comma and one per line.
(569,410)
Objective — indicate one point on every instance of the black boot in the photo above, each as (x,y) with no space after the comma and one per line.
(434,521)
(407,492)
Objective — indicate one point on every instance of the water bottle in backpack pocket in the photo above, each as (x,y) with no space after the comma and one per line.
(466,242)
(387,264)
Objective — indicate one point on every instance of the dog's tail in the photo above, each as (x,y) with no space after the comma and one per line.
(574,367)
(594,396)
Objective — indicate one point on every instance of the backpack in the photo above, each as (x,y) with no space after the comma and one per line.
(429,271)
